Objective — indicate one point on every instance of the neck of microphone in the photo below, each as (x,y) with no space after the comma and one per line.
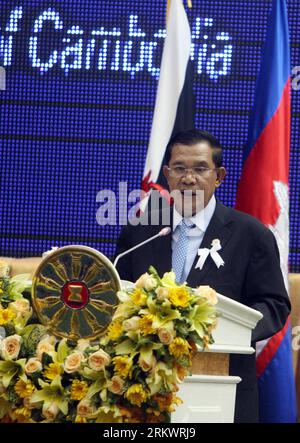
(161,233)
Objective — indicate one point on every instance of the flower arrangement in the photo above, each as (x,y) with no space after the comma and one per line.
(131,374)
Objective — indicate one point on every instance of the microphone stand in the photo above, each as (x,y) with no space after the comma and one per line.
(163,232)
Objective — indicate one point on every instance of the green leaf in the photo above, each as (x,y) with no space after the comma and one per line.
(90,374)
(8,369)
(32,335)
(154,272)
(52,393)
(46,359)
(182,329)
(62,351)
(6,378)
(5,407)
(96,386)
(41,395)
(201,316)
(9,329)
(12,397)
(62,405)
(126,347)
(36,415)
(103,395)
(18,284)
(161,353)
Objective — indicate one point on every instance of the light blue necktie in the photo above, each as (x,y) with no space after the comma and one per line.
(180,249)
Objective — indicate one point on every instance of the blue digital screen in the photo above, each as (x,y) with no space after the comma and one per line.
(76,114)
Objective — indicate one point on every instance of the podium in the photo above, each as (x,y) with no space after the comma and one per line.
(209,393)
(74,278)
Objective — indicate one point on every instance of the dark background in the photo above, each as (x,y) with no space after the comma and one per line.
(67,133)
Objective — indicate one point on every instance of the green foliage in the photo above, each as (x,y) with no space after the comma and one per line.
(12,397)
(32,335)
(147,348)
(46,359)
(17,285)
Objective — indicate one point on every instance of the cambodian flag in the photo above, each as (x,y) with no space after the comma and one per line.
(263,193)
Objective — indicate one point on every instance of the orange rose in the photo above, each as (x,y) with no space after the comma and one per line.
(73,362)
(98,360)
(10,347)
(33,365)
(116,385)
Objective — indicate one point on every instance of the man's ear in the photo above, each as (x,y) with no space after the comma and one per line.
(221,173)
(166,172)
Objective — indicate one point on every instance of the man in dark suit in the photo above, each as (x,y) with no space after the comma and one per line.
(251,272)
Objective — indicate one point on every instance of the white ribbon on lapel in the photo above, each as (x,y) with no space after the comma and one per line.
(213,252)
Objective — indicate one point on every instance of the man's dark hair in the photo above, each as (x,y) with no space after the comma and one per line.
(192,137)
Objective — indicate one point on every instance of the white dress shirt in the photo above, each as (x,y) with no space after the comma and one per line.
(201,220)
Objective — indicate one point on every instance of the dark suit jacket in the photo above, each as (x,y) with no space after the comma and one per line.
(251,275)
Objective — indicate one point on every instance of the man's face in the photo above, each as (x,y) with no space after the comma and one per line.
(195,156)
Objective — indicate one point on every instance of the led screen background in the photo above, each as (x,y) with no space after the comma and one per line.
(81,79)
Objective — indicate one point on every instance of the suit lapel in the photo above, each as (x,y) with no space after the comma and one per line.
(162,249)
(216,229)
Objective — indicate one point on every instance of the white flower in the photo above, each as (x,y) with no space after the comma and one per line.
(98,360)
(29,404)
(146,281)
(82,344)
(73,362)
(207,292)
(10,347)
(33,365)
(50,412)
(162,293)
(20,306)
(166,333)
(147,364)
(85,408)
(45,345)
(116,385)
(131,324)
(216,243)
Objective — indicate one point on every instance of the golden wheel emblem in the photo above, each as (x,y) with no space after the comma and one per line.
(74,292)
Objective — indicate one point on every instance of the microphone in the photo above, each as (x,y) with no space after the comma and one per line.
(162,233)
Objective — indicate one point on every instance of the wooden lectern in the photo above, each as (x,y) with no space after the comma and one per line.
(209,393)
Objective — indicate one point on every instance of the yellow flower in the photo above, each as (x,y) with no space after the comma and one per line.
(179,297)
(79,390)
(153,411)
(109,414)
(175,402)
(123,366)
(139,297)
(22,414)
(181,371)
(80,419)
(136,394)
(167,402)
(168,280)
(146,324)
(6,315)
(53,370)
(205,342)
(114,330)
(163,401)
(179,347)
(24,388)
